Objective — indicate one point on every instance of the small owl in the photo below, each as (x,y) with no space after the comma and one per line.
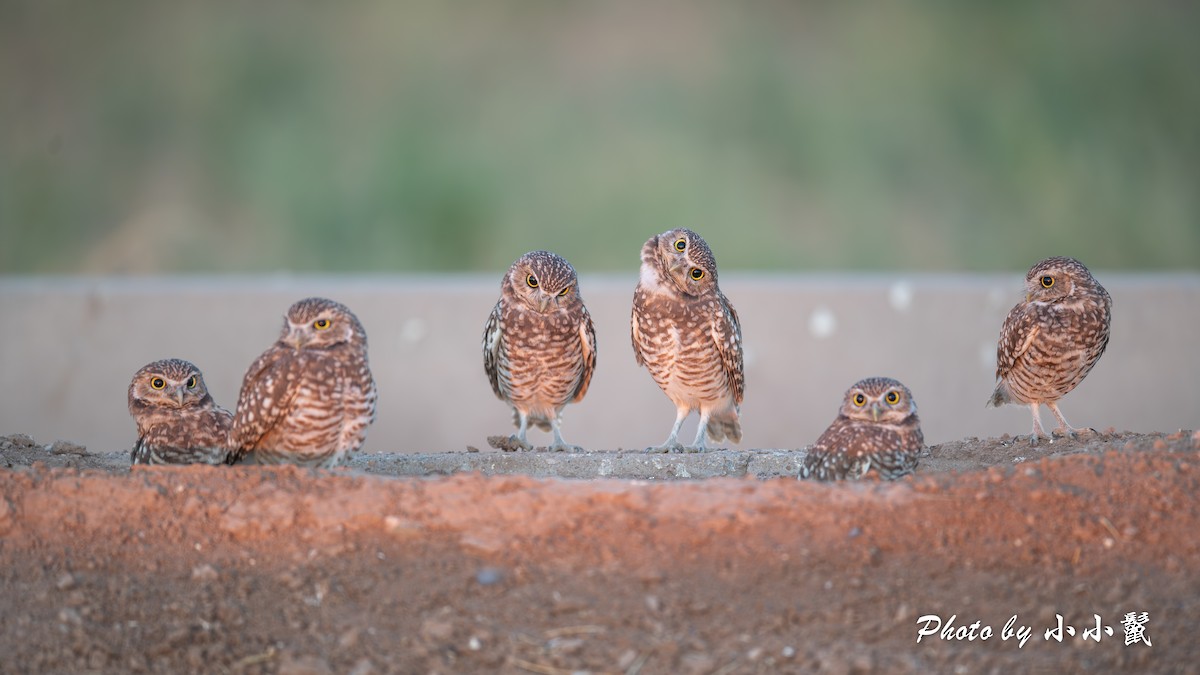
(309,399)
(539,346)
(877,428)
(688,336)
(1052,340)
(177,420)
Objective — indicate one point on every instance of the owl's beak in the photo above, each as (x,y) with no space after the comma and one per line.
(875,412)
(295,338)
(179,392)
(680,265)
(1028,296)
(544,302)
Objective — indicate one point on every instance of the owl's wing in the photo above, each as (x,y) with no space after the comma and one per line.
(1021,328)
(841,453)
(635,328)
(727,334)
(210,431)
(493,345)
(266,396)
(587,339)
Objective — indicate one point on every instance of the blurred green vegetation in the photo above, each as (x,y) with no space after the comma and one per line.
(142,136)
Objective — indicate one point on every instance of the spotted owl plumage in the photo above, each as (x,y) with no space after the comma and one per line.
(1052,339)
(539,344)
(177,420)
(309,399)
(687,334)
(877,429)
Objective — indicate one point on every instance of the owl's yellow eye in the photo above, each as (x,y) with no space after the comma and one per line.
(681,244)
(697,273)
(191,383)
(1047,281)
(532,281)
(892,397)
(158,383)
(564,291)
(322,324)
(859,400)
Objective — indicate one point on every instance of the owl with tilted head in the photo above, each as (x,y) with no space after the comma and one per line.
(687,334)
(539,345)
(309,398)
(177,420)
(1051,340)
(876,430)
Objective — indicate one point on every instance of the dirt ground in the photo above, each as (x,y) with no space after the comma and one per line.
(249,570)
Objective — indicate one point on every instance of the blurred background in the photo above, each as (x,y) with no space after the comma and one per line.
(139,136)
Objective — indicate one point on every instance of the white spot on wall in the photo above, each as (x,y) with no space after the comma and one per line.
(413,330)
(900,296)
(822,323)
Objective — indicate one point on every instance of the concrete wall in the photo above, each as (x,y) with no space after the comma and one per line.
(68,348)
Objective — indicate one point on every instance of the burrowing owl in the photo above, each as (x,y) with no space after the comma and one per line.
(177,420)
(539,346)
(877,428)
(688,335)
(308,399)
(1050,341)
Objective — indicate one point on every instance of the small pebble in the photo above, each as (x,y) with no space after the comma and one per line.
(489,576)
(204,572)
(652,603)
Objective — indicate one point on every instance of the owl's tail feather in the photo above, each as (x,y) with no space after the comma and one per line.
(1000,396)
(725,425)
(535,420)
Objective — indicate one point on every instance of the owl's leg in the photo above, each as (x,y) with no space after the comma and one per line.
(1063,429)
(672,443)
(559,444)
(1037,425)
(522,427)
(701,442)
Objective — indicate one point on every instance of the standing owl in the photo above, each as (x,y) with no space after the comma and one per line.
(877,428)
(177,420)
(1052,340)
(539,346)
(309,399)
(688,336)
